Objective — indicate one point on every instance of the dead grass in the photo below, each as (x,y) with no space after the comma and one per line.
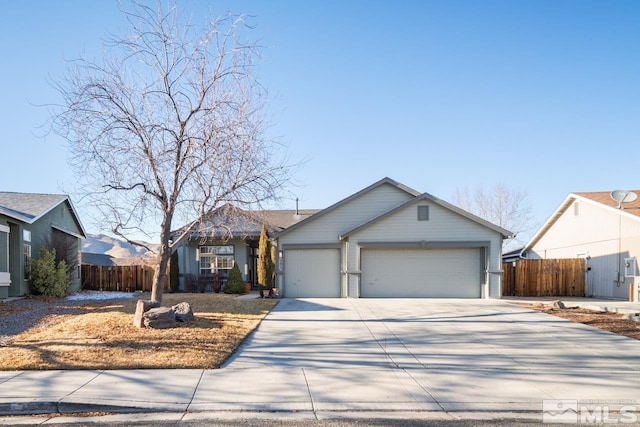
(102,336)
(607,321)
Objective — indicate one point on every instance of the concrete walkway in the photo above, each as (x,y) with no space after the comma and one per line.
(323,358)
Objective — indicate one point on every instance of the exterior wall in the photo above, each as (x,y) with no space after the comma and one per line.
(605,237)
(5,276)
(19,285)
(41,234)
(443,226)
(188,264)
(328,227)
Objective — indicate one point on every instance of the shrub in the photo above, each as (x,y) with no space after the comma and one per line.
(234,285)
(47,278)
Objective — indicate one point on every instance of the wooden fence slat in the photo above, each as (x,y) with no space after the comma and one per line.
(124,278)
(544,277)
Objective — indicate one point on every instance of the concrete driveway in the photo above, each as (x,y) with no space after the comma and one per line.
(443,355)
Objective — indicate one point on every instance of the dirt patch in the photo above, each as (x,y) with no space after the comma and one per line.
(59,334)
(607,321)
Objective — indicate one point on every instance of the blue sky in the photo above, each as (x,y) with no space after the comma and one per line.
(543,96)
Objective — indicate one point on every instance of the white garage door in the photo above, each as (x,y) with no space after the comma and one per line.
(427,273)
(312,273)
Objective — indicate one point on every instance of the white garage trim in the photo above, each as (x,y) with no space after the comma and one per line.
(416,269)
(426,244)
(311,271)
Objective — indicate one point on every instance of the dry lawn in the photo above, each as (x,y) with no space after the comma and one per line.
(101,335)
(607,321)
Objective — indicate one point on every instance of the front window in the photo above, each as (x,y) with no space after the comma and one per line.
(216,259)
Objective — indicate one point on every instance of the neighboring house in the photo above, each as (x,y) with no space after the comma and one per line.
(230,234)
(512,255)
(591,225)
(389,240)
(28,222)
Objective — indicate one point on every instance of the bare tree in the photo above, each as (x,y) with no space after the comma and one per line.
(169,125)
(506,207)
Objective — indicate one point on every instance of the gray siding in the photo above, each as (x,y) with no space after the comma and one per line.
(443,226)
(327,228)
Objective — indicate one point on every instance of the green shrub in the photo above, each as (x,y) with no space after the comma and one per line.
(234,285)
(47,278)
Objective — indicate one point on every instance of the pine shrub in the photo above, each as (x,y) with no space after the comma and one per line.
(47,278)
(234,285)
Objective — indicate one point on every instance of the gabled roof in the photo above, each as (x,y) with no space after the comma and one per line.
(230,221)
(434,199)
(602,199)
(30,207)
(342,202)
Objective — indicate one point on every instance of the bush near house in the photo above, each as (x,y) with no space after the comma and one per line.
(234,285)
(47,278)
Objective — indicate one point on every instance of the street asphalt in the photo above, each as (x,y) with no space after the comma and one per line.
(349,358)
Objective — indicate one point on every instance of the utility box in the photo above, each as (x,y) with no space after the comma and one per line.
(629,267)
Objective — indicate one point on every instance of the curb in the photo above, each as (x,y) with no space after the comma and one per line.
(47,407)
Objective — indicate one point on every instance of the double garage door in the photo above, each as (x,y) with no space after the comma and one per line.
(426,273)
(387,273)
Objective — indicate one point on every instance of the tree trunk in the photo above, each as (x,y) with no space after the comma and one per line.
(160,275)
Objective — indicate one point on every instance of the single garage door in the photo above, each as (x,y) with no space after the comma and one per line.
(312,273)
(426,273)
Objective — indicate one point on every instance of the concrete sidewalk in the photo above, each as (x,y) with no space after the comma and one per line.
(442,359)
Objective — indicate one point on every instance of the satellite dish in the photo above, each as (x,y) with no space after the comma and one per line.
(623,196)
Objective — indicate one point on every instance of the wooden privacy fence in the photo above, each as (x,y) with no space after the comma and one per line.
(544,277)
(123,278)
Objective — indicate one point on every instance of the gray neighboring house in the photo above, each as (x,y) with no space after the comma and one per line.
(230,234)
(389,240)
(27,222)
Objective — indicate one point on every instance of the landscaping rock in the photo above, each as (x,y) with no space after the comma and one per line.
(160,318)
(557,304)
(142,307)
(183,312)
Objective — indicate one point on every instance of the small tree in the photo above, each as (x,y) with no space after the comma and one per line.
(272,265)
(47,278)
(234,281)
(264,261)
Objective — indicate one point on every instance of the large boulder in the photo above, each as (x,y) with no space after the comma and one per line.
(160,318)
(142,307)
(183,312)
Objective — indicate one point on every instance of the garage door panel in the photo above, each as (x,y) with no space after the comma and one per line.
(428,273)
(312,273)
